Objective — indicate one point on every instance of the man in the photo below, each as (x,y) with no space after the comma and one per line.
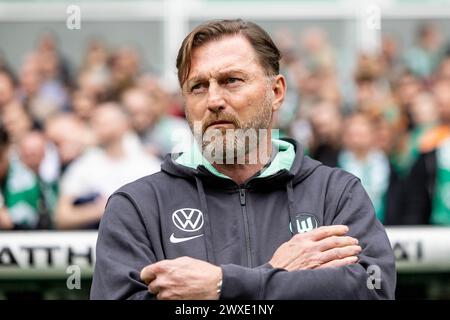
(5,219)
(70,137)
(326,125)
(428,184)
(150,121)
(91,179)
(28,197)
(361,156)
(35,154)
(424,57)
(203,229)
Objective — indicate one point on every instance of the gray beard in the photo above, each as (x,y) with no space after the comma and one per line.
(232,146)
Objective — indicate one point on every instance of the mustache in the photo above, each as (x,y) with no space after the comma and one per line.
(220,117)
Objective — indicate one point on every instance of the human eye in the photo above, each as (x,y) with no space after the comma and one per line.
(233,81)
(198,88)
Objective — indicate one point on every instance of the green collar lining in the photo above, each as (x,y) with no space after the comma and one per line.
(284,159)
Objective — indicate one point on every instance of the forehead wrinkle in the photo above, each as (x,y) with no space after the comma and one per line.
(218,74)
(230,68)
(220,52)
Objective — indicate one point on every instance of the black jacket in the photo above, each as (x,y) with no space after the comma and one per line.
(239,227)
(419,190)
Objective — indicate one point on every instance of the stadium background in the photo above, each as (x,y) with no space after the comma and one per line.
(146,36)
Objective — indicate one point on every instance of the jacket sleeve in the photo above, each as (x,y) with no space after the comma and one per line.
(123,249)
(373,277)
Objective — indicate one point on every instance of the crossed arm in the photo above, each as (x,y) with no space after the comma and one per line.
(325,263)
(188,278)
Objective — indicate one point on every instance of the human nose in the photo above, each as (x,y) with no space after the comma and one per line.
(216,101)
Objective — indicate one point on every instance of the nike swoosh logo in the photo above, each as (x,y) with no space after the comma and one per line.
(174,239)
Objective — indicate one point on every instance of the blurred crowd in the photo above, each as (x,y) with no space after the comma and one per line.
(69,138)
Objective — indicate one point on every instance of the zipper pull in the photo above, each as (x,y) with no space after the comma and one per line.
(242,196)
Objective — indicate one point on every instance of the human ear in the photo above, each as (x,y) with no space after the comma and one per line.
(279,91)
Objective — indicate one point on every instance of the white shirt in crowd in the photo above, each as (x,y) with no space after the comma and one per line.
(97,173)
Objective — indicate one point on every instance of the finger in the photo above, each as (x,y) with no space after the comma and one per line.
(339,253)
(339,262)
(154,287)
(327,231)
(148,274)
(336,242)
(162,295)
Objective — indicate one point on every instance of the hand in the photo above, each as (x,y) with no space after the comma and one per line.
(323,247)
(182,278)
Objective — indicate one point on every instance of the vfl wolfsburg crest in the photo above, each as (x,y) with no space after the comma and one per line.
(304,222)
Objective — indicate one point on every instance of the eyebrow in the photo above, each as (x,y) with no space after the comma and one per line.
(220,74)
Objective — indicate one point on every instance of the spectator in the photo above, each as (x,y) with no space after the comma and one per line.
(29,199)
(319,55)
(5,220)
(372,92)
(390,55)
(316,86)
(83,105)
(94,79)
(326,122)
(361,158)
(48,44)
(159,132)
(96,60)
(429,181)
(423,115)
(441,131)
(70,136)
(90,83)
(52,89)
(35,155)
(17,122)
(91,179)
(125,67)
(406,87)
(424,57)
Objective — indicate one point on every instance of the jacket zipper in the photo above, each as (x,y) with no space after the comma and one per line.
(242,197)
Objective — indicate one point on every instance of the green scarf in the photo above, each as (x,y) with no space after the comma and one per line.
(441,201)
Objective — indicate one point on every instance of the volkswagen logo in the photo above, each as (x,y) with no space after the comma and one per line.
(188,219)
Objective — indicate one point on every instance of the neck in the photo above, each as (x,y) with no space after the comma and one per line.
(240,173)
